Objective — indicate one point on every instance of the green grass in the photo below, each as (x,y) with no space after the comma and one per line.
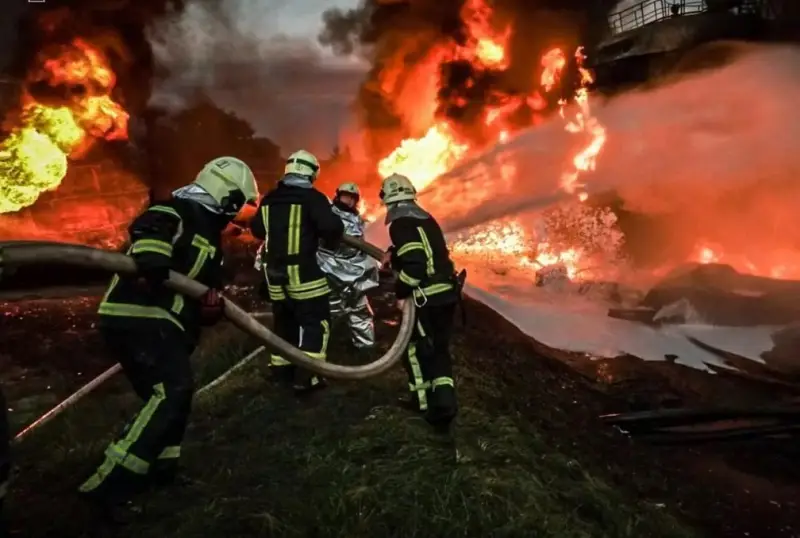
(349,463)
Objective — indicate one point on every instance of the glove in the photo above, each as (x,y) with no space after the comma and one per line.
(212,308)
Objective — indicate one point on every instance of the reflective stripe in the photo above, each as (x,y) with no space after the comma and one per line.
(433,289)
(170,453)
(419,386)
(420,329)
(206,251)
(442,382)
(408,247)
(426,245)
(326,334)
(137,311)
(119,453)
(293,241)
(265,219)
(155,246)
(277,360)
(408,280)
(177,304)
(165,209)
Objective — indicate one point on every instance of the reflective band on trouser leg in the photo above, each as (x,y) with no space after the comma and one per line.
(442,382)
(170,453)
(419,386)
(119,453)
(277,360)
(322,354)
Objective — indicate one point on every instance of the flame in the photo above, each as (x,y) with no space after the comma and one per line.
(423,159)
(34,157)
(775,264)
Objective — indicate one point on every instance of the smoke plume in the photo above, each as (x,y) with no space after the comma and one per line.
(234,53)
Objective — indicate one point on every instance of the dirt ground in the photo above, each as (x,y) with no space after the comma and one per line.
(528,457)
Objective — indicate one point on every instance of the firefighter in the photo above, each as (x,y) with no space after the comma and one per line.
(153,330)
(292,220)
(421,259)
(351,273)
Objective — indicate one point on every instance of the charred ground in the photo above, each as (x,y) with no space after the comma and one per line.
(528,457)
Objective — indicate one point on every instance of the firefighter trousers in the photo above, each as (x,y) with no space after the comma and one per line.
(156,362)
(428,362)
(306,325)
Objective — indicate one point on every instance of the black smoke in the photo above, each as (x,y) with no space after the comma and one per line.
(392,33)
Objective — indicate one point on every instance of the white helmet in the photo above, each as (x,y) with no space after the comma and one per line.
(349,188)
(397,188)
(230,182)
(302,163)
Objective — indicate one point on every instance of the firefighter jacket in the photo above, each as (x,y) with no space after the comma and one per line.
(420,256)
(293,219)
(181,235)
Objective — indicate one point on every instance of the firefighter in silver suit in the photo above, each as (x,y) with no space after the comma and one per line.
(351,273)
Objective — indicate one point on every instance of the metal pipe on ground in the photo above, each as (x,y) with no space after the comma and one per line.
(20,254)
(102,378)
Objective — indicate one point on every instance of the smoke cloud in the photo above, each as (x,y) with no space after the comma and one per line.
(235,54)
(410,44)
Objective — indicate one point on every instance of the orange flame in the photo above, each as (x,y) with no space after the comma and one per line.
(33,159)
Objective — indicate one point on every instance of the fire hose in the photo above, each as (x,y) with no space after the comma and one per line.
(26,253)
(20,254)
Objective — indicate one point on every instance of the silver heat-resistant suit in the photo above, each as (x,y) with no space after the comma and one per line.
(351,274)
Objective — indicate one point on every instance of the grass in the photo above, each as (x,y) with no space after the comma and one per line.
(348,463)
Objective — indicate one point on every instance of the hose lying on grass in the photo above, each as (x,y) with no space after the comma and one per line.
(26,253)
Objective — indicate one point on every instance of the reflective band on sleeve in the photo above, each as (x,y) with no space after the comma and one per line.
(166,210)
(408,280)
(154,246)
(205,251)
(408,247)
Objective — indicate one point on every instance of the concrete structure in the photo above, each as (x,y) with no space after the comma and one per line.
(648,38)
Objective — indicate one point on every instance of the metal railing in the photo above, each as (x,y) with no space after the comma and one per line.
(652,11)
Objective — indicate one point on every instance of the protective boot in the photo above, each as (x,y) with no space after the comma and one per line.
(306,383)
(442,407)
(283,375)
(168,474)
